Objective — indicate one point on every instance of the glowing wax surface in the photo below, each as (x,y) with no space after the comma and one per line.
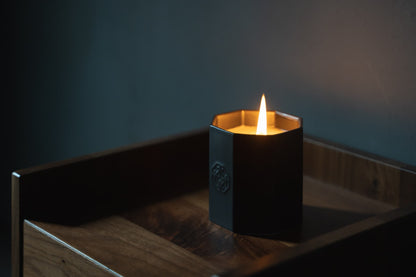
(251,130)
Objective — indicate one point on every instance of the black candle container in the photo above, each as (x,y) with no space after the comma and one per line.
(255,182)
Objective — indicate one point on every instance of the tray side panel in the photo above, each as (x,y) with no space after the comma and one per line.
(17,239)
(378,246)
(372,177)
(407,187)
(100,185)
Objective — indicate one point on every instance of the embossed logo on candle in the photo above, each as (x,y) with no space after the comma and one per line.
(220,178)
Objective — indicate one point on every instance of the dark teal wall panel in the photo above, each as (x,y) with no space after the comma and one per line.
(105,73)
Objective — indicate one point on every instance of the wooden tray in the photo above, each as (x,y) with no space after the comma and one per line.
(142,210)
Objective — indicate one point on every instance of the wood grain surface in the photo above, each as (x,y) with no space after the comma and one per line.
(45,255)
(175,236)
(130,250)
(185,222)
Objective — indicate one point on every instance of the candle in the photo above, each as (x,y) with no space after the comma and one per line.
(255,165)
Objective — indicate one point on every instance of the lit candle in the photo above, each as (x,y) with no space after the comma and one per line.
(255,163)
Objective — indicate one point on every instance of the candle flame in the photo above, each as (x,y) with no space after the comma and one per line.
(262,121)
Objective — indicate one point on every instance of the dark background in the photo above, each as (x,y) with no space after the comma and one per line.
(84,76)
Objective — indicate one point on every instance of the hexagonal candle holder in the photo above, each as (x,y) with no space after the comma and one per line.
(255,182)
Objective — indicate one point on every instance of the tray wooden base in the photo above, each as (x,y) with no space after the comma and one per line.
(183,240)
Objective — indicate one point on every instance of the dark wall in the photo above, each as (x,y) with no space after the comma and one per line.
(91,75)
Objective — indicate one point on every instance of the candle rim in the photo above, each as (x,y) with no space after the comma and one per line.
(285,121)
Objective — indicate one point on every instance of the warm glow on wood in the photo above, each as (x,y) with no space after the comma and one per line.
(262,121)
